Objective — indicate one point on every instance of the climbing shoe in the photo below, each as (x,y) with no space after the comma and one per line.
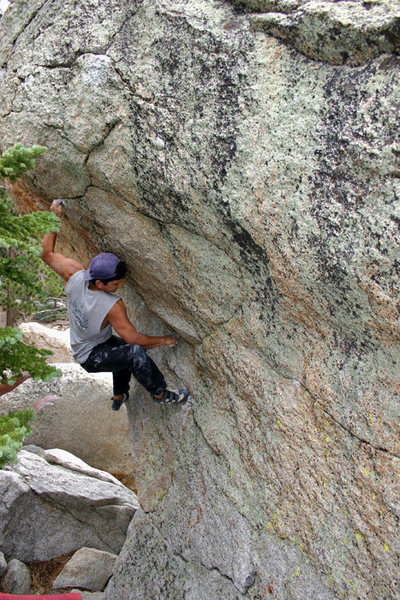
(170,397)
(116,404)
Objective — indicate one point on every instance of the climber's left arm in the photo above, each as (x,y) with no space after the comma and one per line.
(61,264)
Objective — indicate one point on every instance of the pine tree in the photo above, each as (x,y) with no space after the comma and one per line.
(20,248)
(14,427)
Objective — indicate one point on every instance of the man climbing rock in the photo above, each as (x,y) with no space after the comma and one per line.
(94,310)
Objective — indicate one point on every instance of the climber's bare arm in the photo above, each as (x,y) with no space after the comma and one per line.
(61,264)
(118,319)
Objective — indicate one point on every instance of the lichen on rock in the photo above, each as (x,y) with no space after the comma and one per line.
(338,32)
(248,173)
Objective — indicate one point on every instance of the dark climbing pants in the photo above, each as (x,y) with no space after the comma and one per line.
(124,360)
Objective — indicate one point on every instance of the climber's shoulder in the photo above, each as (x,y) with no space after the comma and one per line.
(62,265)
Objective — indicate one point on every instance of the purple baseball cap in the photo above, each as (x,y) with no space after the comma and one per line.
(102,266)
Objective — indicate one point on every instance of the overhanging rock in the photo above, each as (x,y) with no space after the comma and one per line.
(253,191)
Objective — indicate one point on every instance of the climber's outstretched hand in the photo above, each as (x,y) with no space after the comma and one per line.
(57,206)
(171,340)
(43,402)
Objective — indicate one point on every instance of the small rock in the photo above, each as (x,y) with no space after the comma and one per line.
(18,578)
(90,595)
(88,569)
(35,450)
(57,456)
(3,565)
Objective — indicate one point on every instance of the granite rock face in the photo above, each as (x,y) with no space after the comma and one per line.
(339,32)
(243,158)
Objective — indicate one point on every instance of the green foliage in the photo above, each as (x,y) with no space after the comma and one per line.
(23,276)
(20,247)
(26,281)
(14,427)
(20,236)
(17,160)
(17,357)
(53,283)
(20,250)
(23,232)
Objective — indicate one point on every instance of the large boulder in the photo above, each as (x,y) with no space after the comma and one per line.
(49,509)
(80,419)
(57,341)
(243,159)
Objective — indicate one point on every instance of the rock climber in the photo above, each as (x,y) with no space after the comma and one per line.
(94,310)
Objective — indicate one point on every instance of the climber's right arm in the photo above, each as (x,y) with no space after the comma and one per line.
(62,265)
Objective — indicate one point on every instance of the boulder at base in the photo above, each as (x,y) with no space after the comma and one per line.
(47,510)
(81,420)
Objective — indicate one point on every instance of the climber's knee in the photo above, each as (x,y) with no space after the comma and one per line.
(137,356)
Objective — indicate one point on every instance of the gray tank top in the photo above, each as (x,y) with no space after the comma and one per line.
(87,310)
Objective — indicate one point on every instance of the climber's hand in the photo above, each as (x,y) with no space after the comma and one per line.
(57,206)
(170,340)
(46,401)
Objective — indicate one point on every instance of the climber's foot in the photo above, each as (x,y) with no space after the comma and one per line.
(117,401)
(171,397)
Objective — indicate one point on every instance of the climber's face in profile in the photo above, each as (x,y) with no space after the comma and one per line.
(110,286)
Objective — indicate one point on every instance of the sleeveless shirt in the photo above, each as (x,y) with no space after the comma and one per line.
(87,310)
